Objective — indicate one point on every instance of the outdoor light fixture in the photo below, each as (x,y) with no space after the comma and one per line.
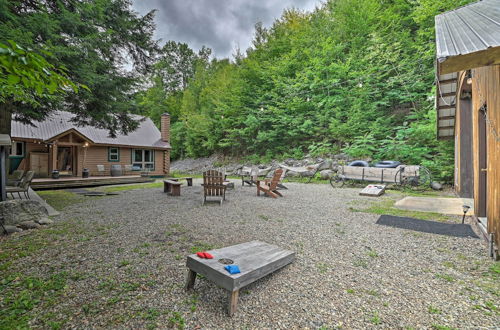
(465,209)
(468,75)
(86,144)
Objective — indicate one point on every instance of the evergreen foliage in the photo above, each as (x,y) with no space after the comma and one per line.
(93,41)
(355,76)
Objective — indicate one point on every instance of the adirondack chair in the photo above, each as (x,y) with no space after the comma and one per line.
(14,179)
(280,183)
(250,178)
(270,187)
(23,187)
(213,185)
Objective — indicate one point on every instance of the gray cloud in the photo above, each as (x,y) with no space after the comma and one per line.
(219,24)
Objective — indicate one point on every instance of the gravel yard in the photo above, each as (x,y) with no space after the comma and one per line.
(122,262)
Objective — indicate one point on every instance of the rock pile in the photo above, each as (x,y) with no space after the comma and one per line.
(19,215)
(327,166)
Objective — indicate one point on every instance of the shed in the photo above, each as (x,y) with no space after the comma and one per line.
(468,105)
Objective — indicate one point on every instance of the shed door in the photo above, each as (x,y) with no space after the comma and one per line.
(483,164)
(466,164)
(39,162)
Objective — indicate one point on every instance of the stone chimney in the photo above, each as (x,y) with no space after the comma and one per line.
(165,127)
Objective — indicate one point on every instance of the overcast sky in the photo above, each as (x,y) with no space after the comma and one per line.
(219,24)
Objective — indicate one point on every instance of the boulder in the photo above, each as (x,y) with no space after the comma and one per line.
(292,174)
(307,174)
(17,211)
(436,186)
(326,174)
(11,229)
(46,221)
(325,164)
(28,225)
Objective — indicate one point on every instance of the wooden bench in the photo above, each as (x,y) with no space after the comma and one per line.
(255,259)
(189,180)
(172,187)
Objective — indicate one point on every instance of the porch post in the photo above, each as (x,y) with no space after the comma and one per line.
(53,157)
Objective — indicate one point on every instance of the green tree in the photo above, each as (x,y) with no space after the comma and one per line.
(26,77)
(94,41)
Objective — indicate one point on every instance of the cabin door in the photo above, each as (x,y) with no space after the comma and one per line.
(483,164)
(466,175)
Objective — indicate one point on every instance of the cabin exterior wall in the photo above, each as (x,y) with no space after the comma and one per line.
(37,156)
(486,159)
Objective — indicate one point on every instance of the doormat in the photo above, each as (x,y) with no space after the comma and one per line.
(426,226)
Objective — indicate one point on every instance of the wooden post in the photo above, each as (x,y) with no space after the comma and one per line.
(233,302)
(53,158)
(190,279)
(3,173)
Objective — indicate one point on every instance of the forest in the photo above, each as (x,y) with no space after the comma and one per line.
(353,76)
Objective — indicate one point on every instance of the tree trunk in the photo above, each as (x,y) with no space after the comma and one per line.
(5,117)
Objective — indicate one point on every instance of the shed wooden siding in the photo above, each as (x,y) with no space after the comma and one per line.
(98,155)
(486,88)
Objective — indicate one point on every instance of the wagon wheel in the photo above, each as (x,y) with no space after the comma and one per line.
(420,182)
(336,181)
(425,178)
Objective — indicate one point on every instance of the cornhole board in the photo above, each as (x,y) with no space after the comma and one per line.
(373,190)
(255,259)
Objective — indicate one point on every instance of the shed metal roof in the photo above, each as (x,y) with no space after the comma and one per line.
(467,30)
(58,122)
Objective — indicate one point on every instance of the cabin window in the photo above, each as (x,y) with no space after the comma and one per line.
(113,154)
(17,149)
(143,159)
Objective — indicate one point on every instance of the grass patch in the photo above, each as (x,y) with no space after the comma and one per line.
(59,199)
(20,294)
(299,179)
(176,321)
(425,193)
(433,310)
(322,267)
(441,327)
(201,246)
(387,207)
(134,186)
(375,318)
(446,277)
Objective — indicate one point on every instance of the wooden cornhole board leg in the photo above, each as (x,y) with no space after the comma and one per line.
(233,302)
(190,279)
(373,190)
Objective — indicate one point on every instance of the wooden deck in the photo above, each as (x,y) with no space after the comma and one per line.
(71,182)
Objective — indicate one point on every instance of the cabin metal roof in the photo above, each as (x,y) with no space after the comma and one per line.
(59,122)
(466,30)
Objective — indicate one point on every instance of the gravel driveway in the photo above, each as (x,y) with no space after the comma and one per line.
(127,253)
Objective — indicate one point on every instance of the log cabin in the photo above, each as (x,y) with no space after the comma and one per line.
(58,144)
(468,106)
